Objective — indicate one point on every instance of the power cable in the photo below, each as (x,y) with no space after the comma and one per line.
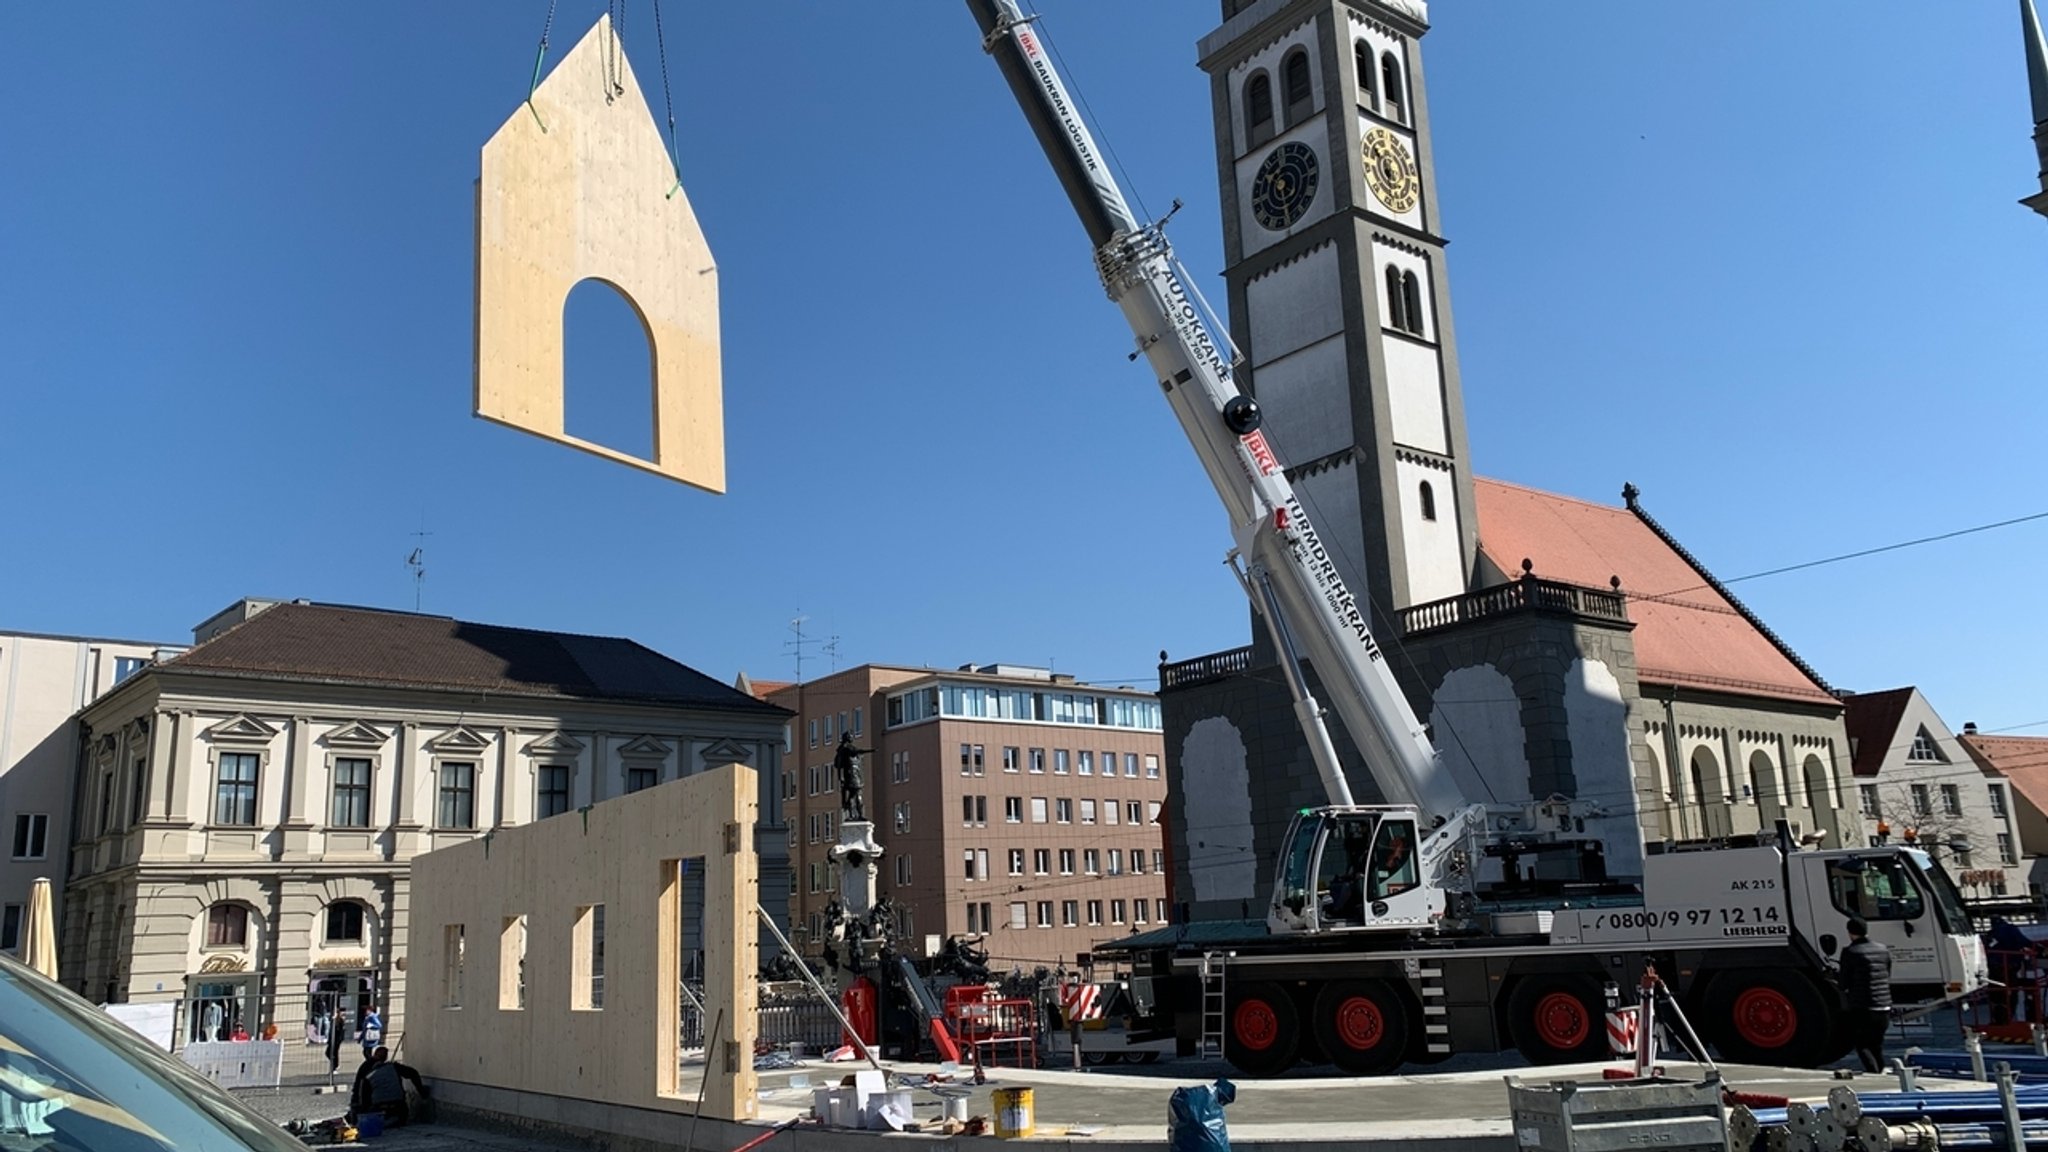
(1857,555)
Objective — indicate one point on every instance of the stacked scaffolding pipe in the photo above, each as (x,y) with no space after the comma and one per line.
(1910,1121)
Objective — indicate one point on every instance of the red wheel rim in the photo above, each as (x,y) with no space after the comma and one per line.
(1562,1022)
(1256,1025)
(1359,1023)
(1765,1017)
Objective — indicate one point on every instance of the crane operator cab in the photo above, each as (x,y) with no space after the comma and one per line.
(1349,868)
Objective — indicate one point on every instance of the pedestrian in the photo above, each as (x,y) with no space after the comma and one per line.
(372,1032)
(1866,978)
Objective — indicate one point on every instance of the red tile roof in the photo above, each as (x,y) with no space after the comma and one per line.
(326,643)
(2022,760)
(1688,632)
(1873,722)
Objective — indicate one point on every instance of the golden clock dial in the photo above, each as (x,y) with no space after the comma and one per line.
(1390,171)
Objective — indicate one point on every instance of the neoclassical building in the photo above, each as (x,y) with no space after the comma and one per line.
(246,813)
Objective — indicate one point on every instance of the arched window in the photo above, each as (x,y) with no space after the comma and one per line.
(1397,316)
(1428,501)
(1763,786)
(1294,81)
(1258,108)
(1361,60)
(1411,301)
(1390,87)
(1816,785)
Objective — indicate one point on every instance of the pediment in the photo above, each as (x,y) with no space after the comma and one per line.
(462,738)
(356,734)
(728,752)
(242,728)
(645,748)
(554,744)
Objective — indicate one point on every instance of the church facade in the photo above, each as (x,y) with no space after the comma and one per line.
(1554,646)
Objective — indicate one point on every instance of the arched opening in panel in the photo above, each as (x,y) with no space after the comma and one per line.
(1763,787)
(1362,62)
(1428,501)
(1411,302)
(1258,108)
(607,370)
(1299,89)
(1397,312)
(1391,88)
(1706,790)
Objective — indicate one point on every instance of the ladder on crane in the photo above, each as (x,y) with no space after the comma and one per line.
(1215,1001)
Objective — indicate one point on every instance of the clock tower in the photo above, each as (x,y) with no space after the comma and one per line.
(1338,298)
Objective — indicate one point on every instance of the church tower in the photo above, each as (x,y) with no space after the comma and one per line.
(1338,298)
(2037,89)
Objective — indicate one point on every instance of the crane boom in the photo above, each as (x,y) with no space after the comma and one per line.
(1286,569)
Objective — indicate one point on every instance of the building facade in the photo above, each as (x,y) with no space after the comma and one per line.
(1553,647)
(1014,804)
(44,681)
(2022,761)
(1916,783)
(247,812)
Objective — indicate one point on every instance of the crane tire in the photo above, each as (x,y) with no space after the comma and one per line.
(1769,1017)
(1558,1018)
(1362,1025)
(1262,1029)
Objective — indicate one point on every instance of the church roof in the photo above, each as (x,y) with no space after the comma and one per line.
(331,644)
(1690,631)
(1873,721)
(2022,760)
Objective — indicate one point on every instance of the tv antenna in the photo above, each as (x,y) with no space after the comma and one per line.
(417,563)
(799,644)
(831,649)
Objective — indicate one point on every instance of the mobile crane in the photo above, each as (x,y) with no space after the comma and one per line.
(1390,935)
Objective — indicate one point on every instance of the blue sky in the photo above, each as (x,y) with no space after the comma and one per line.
(1762,260)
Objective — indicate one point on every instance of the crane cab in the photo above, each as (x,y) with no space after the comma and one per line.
(1353,868)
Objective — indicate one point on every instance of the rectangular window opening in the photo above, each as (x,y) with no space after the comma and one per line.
(512,964)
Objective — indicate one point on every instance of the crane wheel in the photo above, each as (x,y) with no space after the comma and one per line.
(1769,1017)
(1558,1018)
(1362,1025)
(1262,1033)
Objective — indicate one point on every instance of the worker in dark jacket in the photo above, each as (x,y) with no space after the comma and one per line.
(380,1087)
(1867,994)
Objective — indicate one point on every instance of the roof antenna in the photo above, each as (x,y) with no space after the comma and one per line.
(831,649)
(798,645)
(417,563)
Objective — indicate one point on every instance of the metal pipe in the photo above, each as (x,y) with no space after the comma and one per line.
(817,987)
(2009,1104)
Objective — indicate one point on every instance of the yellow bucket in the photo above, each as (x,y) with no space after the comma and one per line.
(1013,1113)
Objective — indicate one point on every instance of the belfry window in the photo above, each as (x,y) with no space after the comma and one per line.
(1428,501)
(1258,108)
(1397,316)
(1300,90)
(1411,302)
(1390,85)
(1361,60)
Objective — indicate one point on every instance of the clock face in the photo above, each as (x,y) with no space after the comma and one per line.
(1285,186)
(1390,172)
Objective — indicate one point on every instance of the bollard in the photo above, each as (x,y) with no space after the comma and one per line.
(1974,1045)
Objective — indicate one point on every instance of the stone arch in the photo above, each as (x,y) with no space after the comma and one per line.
(1764,789)
(1814,777)
(1708,788)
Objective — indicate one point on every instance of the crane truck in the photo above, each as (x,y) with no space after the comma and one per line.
(1407,930)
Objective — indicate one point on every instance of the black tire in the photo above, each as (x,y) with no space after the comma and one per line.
(1146,1057)
(1558,1019)
(1767,1017)
(1262,1032)
(1363,1026)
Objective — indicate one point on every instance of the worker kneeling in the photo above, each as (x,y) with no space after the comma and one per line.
(380,1087)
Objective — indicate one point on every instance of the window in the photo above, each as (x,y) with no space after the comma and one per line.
(1951,800)
(1038,760)
(1130,765)
(1065,809)
(1066,861)
(1020,914)
(1059,761)
(639,779)
(1159,865)
(453,962)
(1297,85)
(2005,853)
(1390,88)
(1428,501)
(1134,813)
(234,797)
(106,803)
(970,760)
(458,795)
(1013,809)
(1091,861)
(1160,903)
(828,728)
(1084,763)
(856,722)
(967,858)
(554,790)
(512,963)
(10,928)
(1361,61)
(981,864)
(969,816)
(344,922)
(1087,811)
(814,732)
(1109,811)
(138,796)
(1925,749)
(1411,303)
(1137,861)
(1012,759)
(1041,861)
(227,926)
(1116,911)
(1997,796)
(1921,806)
(1044,913)
(903,870)
(1016,861)
(1258,108)
(1038,809)
(586,960)
(1151,767)
(1116,861)
(1151,811)
(899,767)
(1873,888)
(31,836)
(1867,796)
(1138,910)
(843,728)
(1094,912)
(351,793)
(126,666)
(1070,913)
